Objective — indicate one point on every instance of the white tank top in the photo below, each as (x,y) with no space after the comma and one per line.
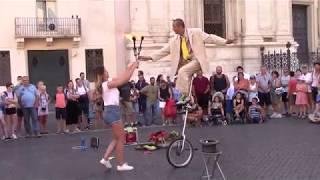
(110,96)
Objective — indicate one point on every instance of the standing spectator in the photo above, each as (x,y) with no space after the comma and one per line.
(275,96)
(142,98)
(176,92)
(241,70)
(43,109)
(170,83)
(164,94)
(219,82)
(98,107)
(242,83)
(201,89)
(159,79)
(253,89)
(307,76)
(292,93)
(315,80)
(2,121)
(285,78)
(126,104)
(84,81)
(61,110)
(10,101)
(28,99)
(83,103)
(19,109)
(302,97)
(264,87)
(72,108)
(134,96)
(151,91)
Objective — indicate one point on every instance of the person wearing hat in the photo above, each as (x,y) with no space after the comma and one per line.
(255,111)
(302,97)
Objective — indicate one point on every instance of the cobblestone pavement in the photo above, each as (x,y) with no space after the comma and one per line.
(286,149)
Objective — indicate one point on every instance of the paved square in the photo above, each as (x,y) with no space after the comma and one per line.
(286,149)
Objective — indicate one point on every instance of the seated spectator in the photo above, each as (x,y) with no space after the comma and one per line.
(241,83)
(255,111)
(216,105)
(238,106)
(195,114)
(253,89)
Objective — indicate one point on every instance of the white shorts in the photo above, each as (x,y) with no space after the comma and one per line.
(162,104)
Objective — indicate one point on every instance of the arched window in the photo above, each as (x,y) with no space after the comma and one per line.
(214,17)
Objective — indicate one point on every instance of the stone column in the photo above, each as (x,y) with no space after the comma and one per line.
(158,18)
(139,16)
(193,13)
(284,16)
(251,22)
(231,20)
(267,12)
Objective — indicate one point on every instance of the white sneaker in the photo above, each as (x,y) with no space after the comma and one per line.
(3,138)
(14,136)
(125,167)
(274,115)
(107,164)
(77,130)
(278,115)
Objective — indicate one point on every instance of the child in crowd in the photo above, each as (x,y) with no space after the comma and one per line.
(61,110)
(43,109)
(238,105)
(255,111)
(2,121)
(302,97)
(195,113)
(292,93)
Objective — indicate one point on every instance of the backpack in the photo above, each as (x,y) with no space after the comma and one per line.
(7,95)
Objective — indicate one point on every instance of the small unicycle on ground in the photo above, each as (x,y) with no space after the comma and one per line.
(180,151)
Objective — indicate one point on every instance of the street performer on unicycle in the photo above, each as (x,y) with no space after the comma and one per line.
(188,56)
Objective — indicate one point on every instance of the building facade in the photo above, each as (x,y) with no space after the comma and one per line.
(55,40)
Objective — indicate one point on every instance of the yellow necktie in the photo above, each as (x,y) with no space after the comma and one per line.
(184,48)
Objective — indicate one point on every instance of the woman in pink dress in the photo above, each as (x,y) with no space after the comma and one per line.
(302,97)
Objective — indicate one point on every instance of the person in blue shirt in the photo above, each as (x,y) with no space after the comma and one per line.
(28,98)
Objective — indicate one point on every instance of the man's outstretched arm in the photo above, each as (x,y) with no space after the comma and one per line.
(211,38)
(165,51)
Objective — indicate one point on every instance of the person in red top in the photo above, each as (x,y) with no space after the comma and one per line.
(60,110)
(201,89)
(292,93)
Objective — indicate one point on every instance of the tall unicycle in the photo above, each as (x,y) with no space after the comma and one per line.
(180,151)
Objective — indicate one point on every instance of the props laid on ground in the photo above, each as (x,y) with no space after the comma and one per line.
(131,135)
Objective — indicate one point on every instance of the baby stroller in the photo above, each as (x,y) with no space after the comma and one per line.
(216,116)
(242,114)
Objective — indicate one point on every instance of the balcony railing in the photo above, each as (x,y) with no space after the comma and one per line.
(29,27)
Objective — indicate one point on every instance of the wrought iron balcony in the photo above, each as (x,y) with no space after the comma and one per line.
(29,27)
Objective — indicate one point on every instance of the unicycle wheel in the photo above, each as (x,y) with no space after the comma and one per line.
(179,156)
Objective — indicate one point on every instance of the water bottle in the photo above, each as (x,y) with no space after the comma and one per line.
(83,144)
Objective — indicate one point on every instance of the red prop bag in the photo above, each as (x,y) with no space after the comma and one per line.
(170,110)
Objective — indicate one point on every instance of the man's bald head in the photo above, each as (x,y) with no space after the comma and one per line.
(219,70)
